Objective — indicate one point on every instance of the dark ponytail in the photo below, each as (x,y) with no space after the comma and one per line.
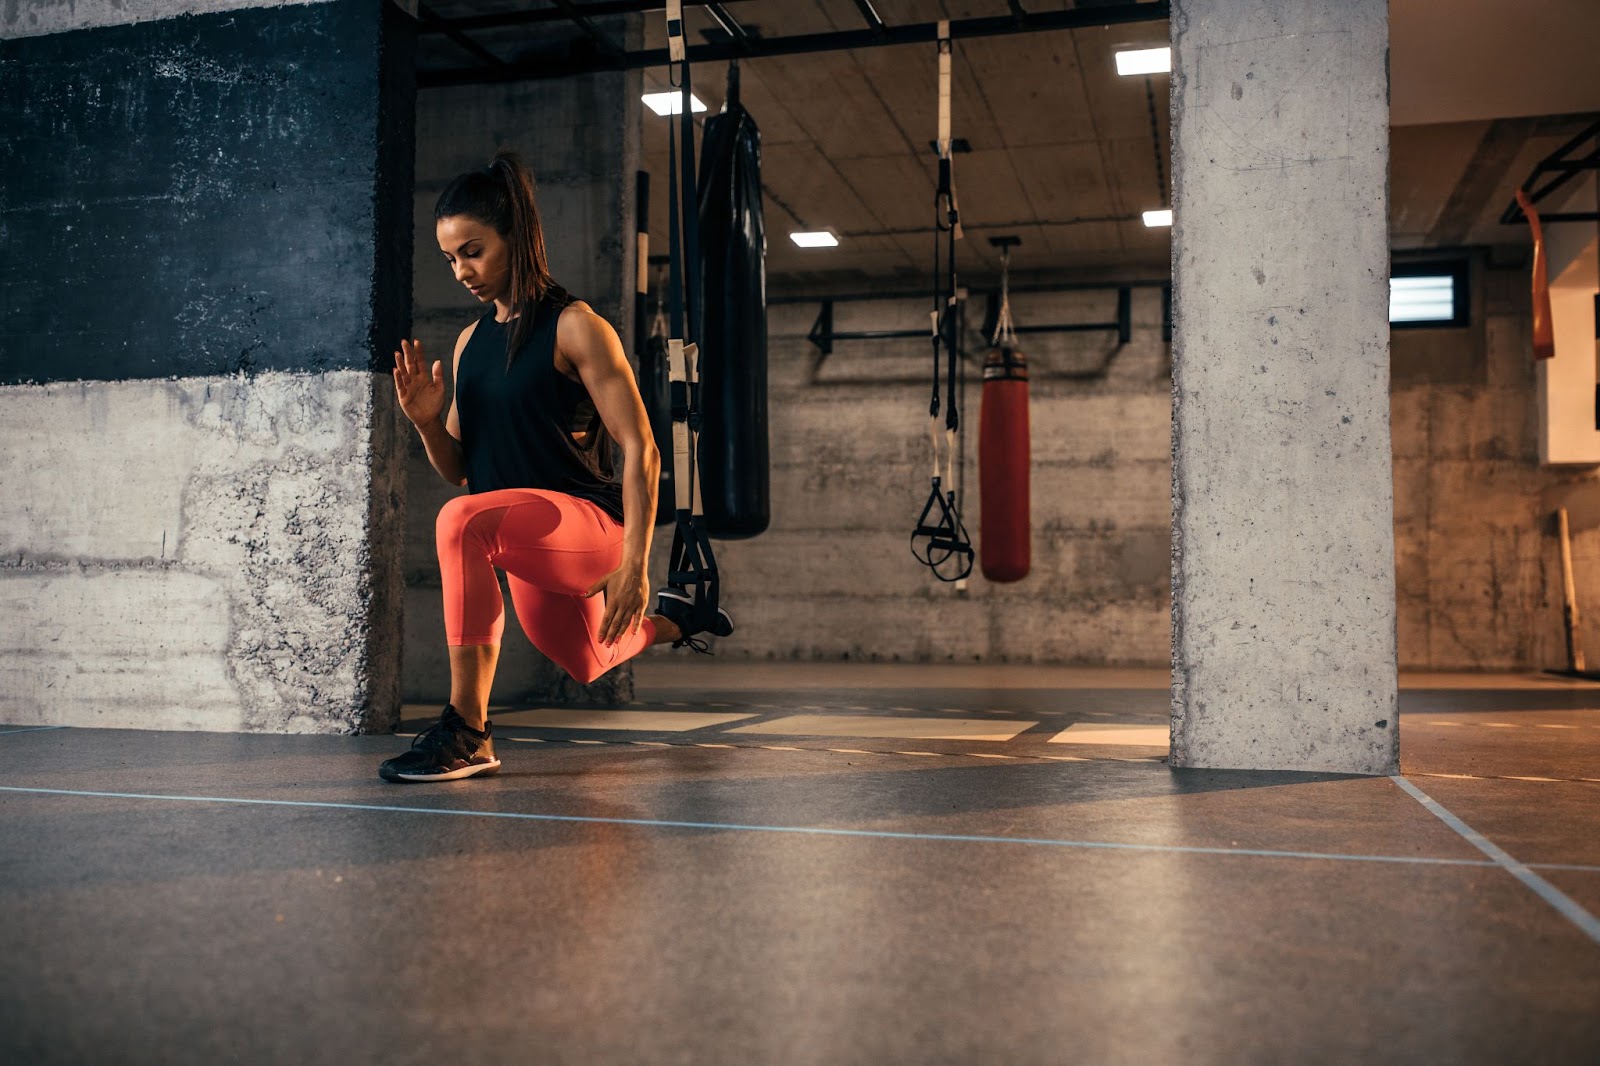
(501,195)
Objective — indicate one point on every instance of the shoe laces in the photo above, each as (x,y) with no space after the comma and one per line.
(698,646)
(435,737)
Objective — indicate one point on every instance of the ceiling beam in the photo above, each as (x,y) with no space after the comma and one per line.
(601,39)
(429,20)
(603,9)
(800,44)
(1497,150)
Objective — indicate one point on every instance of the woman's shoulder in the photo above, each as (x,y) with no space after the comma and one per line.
(578,322)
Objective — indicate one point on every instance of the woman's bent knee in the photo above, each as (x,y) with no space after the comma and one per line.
(454,516)
(467,520)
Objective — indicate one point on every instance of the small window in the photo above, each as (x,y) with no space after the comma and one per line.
(1428,295)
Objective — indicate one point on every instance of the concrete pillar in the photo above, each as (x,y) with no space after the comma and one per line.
(204,255)
(581,138)
(1283,558)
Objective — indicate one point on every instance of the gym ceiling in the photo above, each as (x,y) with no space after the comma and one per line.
(1064,152)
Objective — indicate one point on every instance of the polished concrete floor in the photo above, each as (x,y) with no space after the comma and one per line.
(812,864)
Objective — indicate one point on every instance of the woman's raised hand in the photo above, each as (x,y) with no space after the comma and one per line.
(421,392)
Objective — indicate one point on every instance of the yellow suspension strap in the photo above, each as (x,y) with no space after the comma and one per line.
(940,540)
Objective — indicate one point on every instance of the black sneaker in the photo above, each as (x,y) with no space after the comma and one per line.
(677,607)
(445,751)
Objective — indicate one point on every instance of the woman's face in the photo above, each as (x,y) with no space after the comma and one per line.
(477,254)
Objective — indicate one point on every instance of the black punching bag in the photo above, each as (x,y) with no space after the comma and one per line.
(733,368)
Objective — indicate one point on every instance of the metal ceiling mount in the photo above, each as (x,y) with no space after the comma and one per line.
(602,54)
(1565,163)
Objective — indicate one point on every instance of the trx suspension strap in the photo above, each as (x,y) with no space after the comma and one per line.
(940,541)
(693,568)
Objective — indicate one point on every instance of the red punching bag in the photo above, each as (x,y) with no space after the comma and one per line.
(1005,530)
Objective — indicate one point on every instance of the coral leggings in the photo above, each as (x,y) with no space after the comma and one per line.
(553,547)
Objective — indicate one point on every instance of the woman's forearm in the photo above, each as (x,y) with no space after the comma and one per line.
(444,452)
(641,480)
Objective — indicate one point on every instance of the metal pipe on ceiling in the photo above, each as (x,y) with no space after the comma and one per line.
(730,25)
(801,44)
(873,20)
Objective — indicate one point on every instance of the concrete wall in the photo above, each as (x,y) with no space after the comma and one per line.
(581,138)
(33,18)
(834,578)
(199,553)
(203,506)
(1477,564)
(1477,573)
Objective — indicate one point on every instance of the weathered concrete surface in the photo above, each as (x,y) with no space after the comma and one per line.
(203,185)
(216,553)
(1283,554)
(184,549)
(581,138)
(34,18)
(1478,572)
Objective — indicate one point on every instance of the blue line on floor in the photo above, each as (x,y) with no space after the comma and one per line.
(32,729)
(1544,889)
(878,834)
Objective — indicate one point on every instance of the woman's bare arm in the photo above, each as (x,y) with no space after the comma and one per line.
(589,344)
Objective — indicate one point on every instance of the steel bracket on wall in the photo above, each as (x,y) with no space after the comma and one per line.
(823,335)
(1565,165)
(1123,325)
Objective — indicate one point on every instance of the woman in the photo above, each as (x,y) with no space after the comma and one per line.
(541,390)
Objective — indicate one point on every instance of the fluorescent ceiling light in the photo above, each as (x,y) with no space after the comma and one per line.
(1145,61)
(671,103)
(818,239)
(1425,299)
(1158,218)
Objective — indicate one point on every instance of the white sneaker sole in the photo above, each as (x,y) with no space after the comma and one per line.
(454,775)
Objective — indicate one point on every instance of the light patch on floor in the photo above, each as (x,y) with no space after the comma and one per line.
(1155,736)
(642,721)
(845,725)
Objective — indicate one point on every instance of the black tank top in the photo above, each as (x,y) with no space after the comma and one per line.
(517,425)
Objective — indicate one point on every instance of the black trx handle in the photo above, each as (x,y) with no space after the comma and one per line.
(945,540)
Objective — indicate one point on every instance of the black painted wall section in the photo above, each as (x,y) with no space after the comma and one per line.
(208,194)
(395,191)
